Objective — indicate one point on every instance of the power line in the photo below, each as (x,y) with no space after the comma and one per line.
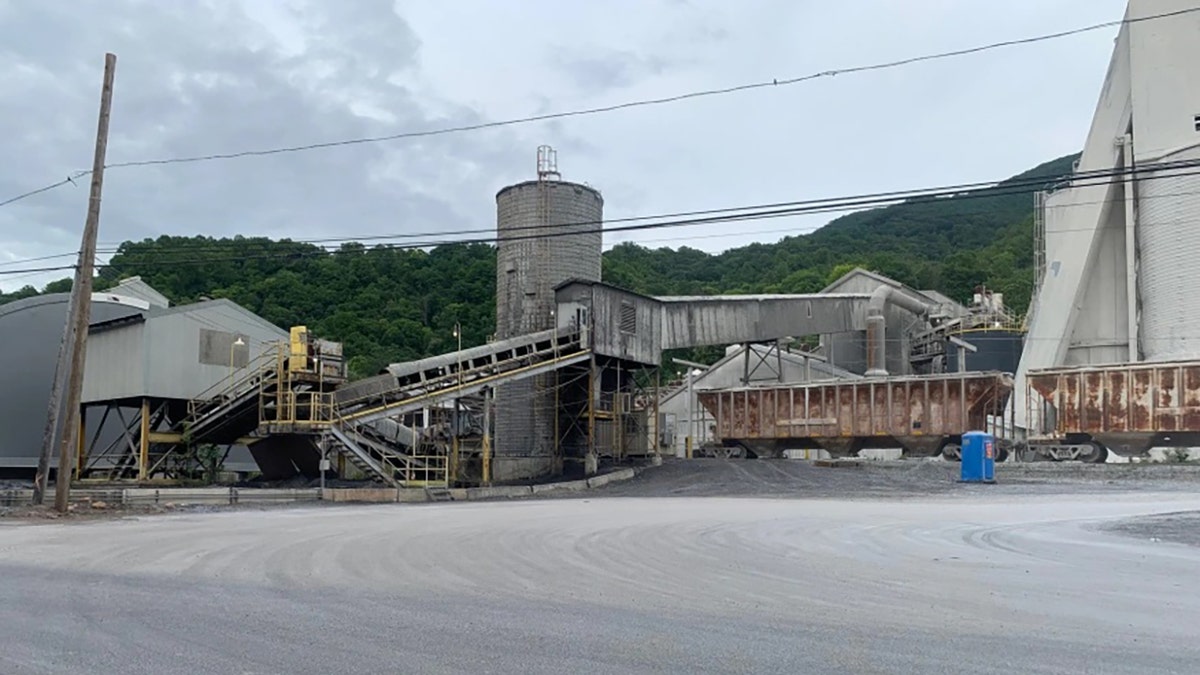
(38,191)
(1086,179)
(720,216)
(774,82)
(910,197)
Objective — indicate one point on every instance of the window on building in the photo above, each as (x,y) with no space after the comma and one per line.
(628,317)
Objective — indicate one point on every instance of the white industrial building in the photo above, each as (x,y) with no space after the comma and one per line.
(139,348)
(1117,275)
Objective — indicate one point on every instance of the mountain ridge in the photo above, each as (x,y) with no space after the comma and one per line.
(389,304)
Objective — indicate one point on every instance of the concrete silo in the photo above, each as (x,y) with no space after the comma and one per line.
(1167,203)
(548,231)
(1117,285)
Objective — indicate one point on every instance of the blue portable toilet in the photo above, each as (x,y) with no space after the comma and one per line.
(978,457)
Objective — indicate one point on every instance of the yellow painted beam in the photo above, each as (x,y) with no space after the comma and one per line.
(144,441)
(164,437)
(176,437)
(81,445)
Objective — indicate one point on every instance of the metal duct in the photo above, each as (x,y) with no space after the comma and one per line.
(877,325)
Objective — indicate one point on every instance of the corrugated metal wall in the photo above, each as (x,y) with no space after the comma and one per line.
(30,331)
(1170,247)
(177,354)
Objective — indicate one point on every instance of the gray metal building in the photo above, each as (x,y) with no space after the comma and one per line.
(138,348)
(849,349)
(31,330)
(622,324)
(173,352)
(155,362)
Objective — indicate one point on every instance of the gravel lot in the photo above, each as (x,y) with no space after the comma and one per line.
(1181,528)
(702,567)
(895,479)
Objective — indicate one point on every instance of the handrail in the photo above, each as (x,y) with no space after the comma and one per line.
(452,370)
(429,396)
(397,468)
(225,385)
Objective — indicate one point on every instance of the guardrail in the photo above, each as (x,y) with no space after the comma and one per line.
(175,496)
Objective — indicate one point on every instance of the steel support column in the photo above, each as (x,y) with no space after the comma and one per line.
(144,441)
(486,459)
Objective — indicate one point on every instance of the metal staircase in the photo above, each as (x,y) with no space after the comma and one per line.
(408,387)
(231,410)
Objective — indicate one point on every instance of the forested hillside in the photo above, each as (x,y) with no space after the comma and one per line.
(389,304)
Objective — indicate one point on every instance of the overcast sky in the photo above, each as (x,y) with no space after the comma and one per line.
(213,76)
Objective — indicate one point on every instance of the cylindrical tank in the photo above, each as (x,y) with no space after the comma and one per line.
(1168,253)
(548,231)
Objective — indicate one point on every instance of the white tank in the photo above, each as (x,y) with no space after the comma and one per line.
(1169,262)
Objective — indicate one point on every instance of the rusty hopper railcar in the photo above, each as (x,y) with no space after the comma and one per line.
(923,415)
(1123,408)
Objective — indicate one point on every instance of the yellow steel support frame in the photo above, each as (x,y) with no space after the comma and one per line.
(144,441)
(558,451)
(456,424)
(487,437)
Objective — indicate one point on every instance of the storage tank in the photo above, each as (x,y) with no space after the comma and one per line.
(1170,247)
(548,231)
(996,349)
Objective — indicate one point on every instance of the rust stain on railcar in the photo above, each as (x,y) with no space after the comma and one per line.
(898,407)
(1116,400)
(1069,412)
(1124,398)
(1166,408)
(1140,407)
(1191,399)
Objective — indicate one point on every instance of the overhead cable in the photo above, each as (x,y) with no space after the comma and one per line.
(774,82)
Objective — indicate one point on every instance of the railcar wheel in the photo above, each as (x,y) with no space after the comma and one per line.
(1098,455)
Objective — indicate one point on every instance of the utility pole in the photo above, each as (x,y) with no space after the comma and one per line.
(81,293)
(43,467)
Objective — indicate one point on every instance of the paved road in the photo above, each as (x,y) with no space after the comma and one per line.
(952,584)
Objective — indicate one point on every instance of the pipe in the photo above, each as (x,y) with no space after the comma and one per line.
(877,325)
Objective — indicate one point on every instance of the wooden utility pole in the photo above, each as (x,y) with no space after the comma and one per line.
(43,467)
(81,293)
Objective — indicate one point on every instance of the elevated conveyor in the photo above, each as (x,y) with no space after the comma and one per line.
(363,409)
(406,387)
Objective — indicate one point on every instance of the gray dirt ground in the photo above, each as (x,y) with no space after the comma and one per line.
(1181,528)
(704,567)
(894,479)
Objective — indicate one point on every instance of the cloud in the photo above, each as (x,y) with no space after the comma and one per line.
(599,70)
(198,82)
(215,76)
